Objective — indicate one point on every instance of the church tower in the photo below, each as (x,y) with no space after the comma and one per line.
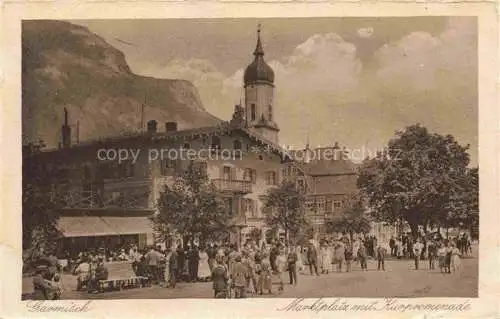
(259,94)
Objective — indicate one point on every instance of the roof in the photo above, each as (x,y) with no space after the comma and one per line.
(223,128)
(81,226)
(258,70)
(331,167)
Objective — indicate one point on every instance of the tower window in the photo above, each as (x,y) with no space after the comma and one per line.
(215,143)
(253,112)
(237,145)
(270,110)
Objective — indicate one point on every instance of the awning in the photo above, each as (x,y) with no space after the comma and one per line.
(85,226)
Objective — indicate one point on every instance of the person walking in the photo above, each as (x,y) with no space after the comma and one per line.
(292,260)
(181,263)
(238,276)
(455,258)
(392,245)
(153,261)
(381,252)
(281,263)
(211,253)
(432,253)
(220,278)
(273,254)
(339,256)
(441,253)
(417,251)
(348,257)
(265,282)
(204,271)
(362,256)
(193,263)
(326,259)
(312,259)
(173,268)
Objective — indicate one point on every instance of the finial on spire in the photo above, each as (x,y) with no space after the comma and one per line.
(258,50)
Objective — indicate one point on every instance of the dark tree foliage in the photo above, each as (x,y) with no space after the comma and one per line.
(422,178)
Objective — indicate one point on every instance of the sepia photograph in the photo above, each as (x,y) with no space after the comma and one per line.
(250,158)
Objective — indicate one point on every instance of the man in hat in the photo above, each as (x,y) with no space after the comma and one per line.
(239,275)
(42,287)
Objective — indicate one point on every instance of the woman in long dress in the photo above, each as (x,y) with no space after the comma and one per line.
(326,259)
(299,263)
(203,268)
(455,258)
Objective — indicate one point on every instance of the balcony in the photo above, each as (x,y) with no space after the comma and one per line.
(233,186)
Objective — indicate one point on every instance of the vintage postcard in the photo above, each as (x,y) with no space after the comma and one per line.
(250,160)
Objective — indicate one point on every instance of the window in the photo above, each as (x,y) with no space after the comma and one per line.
(226,173)
(237,145)
(270,111)
(309,205)
(128,169)
(329,206)
(249,207)
(186,146)
(250,174)
(320,205)
(301,184)
(215,143)
(228,204)
(271,178)
(261,158)
(253,112)
(337,205)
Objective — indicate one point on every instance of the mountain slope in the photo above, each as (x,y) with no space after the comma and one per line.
(65,65)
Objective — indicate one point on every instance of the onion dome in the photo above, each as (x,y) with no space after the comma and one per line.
(258,71)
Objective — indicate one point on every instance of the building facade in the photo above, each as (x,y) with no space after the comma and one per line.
(111,186)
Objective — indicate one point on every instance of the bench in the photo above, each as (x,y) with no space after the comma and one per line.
(123,283)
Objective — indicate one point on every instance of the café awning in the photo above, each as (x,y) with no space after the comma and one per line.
(86,226)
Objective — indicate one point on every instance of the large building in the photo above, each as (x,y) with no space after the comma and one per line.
(326,181)
(107,202)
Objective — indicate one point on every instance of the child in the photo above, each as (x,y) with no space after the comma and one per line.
(442,257)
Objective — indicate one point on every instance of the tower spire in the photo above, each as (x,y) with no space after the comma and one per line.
(258,49)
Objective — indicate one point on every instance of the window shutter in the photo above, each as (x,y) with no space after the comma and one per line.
(254,207)
(254,176)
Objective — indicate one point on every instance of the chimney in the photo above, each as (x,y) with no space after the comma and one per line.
(66,131)
(171,127)
(152,126)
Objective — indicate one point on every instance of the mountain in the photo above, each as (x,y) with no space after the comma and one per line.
(64,65)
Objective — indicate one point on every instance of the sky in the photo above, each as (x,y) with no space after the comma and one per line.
(354,81)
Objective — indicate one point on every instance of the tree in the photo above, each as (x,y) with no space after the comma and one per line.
(193,207)
(353,217)
(40,211)
(284,208)
(418,179)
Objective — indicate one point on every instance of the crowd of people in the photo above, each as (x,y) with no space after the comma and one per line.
(254,269)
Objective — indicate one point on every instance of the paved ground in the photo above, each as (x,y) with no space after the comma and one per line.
(399,280)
